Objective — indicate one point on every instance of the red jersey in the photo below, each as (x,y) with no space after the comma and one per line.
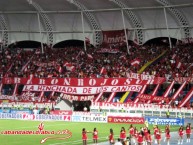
(168,135)
(188,130)
(84,135)
(122,135)
(149,139)
(145,131)
(95,134)
(136,134)
(131,131)
(158,135)
(111,138)
(181,132)
(155,131)
(140,138)
(167,131)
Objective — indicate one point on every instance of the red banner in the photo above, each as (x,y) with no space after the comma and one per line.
(61,112)
(134,79)
(114,37)
(41,64)
(115,105)
(108,50)
(183,79)
(77,98)
(127,120)
(81,90)
(147,97)
(7,97)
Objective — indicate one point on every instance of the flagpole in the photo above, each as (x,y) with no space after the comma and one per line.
(83,31)
(39,24)
(125,31)
(167,28)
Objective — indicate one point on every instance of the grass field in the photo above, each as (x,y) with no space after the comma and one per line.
(74,127)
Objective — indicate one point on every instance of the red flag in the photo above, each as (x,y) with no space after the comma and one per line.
(66,63)
(103,70)
(59,68)
(135,62)
(69,66)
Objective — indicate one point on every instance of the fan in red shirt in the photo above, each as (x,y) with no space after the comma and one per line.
(122,134)
(181,134)
(158,136)
(188,132)
(111,137)
(140,138)
(95,136)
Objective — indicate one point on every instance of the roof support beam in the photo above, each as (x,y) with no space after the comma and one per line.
(4,30)
(179,16)
(134,19)
(45,19)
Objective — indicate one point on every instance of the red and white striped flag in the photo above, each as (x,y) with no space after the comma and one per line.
(135,62)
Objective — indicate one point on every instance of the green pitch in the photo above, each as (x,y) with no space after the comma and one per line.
(74,127)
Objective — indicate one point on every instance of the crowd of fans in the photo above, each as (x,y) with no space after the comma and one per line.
(94,62)
(76,62)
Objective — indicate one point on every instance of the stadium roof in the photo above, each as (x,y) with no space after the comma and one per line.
(53,21)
